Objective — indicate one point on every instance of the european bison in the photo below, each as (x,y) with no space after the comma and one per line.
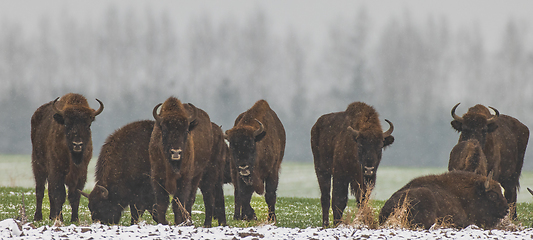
(504,141)
(62,148)
(180,152)
(348,146)
(468,156)
(123,175)
(257,145)
(459,198)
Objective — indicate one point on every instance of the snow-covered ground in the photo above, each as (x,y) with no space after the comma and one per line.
(11,228)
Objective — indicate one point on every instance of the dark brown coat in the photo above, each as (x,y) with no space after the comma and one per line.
(123,175)
(219,159)
(459,198)
(180,151)
(348,146)
(504,141)
(61,151)
(468,156)
(257,145)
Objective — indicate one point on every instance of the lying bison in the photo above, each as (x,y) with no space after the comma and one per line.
(348,146)
(61,151)
(257,145)
(458,198)
(123,175)
(468,156)
(503,140)
(180,152)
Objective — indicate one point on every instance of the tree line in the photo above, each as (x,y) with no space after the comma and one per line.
(412,73)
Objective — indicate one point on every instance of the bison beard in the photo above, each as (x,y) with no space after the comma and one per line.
(257,145)
(458,197)
(123,175)
(61,151)
(348,147)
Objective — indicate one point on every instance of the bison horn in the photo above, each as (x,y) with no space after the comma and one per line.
(154,113)
(391,128)
(192,117)
(100,109)
(105,192)
(457,118)
(83,193)
(495,116)
(487,183)
(530,191)
(355,132)
(55,107)
(260,130)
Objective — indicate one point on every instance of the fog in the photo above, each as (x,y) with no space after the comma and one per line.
(412,67)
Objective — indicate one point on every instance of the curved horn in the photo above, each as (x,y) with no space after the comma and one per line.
(495,116)
(260,130)
(457,118)
(391,128)
(194,114)
(105,192)
(530,191)
(55,108)
(83,193)
(100,109)
(487,183)
(154,112)
(355,132)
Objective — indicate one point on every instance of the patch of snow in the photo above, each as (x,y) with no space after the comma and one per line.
(10,228)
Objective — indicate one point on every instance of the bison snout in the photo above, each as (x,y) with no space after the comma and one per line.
(244,171)
(175,154)
(77,146)
(369,171)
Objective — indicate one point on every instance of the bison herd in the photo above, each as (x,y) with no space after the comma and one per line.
(150,164)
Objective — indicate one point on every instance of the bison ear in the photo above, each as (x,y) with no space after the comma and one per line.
(193,125)
(388,140)
(492,127)
(59,118)
(457,125)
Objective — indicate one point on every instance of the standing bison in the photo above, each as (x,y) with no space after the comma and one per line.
(257,145)
(123,175)
(459,198)
(468,156)
(61,150)
(180,152)
(348,146)
(503,140)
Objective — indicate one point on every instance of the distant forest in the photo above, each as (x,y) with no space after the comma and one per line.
(412,73)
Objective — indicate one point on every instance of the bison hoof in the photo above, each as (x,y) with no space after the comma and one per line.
(38,216)
(250,217)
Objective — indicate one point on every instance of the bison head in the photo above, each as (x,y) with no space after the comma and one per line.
(476,123)
(77,120)
(102,206)
(175,125)
(242,142)
(369,149)
(489,205)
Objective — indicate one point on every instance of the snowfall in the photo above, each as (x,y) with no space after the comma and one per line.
(10,228)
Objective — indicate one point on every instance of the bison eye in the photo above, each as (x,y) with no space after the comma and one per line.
(493,196)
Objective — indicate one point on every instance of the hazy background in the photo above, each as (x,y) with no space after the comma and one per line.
(411,60)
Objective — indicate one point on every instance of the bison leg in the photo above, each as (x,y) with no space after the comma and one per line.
(324,182)
(40,180)
(57,195)
(339,198)
(271,186)
(161,203)
(209,203)
(74,200)
(245,195)
(220,209)
(237,215)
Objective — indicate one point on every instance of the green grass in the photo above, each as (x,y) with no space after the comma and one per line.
(292,212)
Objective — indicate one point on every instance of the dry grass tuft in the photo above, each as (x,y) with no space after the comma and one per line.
(399,217)
(445,222)
(365,215)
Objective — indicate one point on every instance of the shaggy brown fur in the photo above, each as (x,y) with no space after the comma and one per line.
(462,198)
(347,146)
(257,144)
(61,151)
(123,175)
(180,152)
(503,140)
(468,156)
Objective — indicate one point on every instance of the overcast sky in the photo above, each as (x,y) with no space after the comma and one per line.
(308,17)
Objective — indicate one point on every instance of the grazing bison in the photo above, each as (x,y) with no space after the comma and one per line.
(257,145)
(180,152)
(123,175)
(503,140)
(459,198)
(468,156)
(347,145)
(62,148)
